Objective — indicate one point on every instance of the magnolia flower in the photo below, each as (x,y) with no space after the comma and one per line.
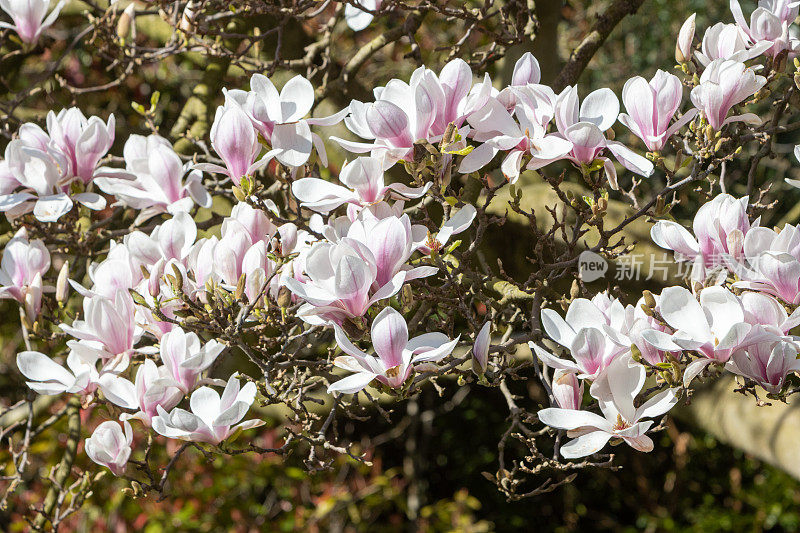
(396,354)
(769,25)
(81,375)
(109,322)
(29,17)
(154,180)
(720,228)
(358,19)
(588,332)
(153,388)
(766,363)
(83,141)
(421,109)
(480,350)
(651,106)
(526,136)
(567,389)
(773,262)
(584,127)
(363,178)
(213,418)
(728,41)
(43,176)
(279,118)
(683,46)
(109,446)
(185,358)
(615,393)
(723,84)
(21,269)
(714,327)
(340,281)
(235,140)
(391,241)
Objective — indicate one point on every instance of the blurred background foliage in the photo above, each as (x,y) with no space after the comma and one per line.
(433,473)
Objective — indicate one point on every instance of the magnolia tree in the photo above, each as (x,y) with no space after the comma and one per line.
(341,292)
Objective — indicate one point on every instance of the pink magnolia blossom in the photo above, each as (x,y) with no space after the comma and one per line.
(279,118)
(109,322)
(773,262)
(396,353)
(588,331)
(766,363)
(185,358)
(615,393)
(83,141)
(723,84)
(342,281)
(364,185)
(421,109)
(527,136)
(23,265)
(153,388)
(651,106)
(155,179)
(714,327)
(720,228)
(728,41)
(110,447)
(769,25)
(29,17)
(235,140)
(584,127)
(458,222)
(213,418)
(44,178)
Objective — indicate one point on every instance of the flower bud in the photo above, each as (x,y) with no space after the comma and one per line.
(62,284)
(125,21)
(284,297)
(683,48)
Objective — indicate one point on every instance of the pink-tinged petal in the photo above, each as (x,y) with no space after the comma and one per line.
(389,336)
(660,340)
(587,140)
(556,328)
(480,349)
(551,360)
(320,195)
(390,289)
(387,121)
(567,389)
(630,159)
(526,70)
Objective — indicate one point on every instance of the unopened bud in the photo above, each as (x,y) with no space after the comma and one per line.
(683,47)
(575,290)
(62,284)
(649,299)
(355,327)
(178,279)
(284,297)
(240,287)
(125,21)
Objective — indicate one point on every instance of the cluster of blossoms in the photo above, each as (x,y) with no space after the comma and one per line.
(340,256)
